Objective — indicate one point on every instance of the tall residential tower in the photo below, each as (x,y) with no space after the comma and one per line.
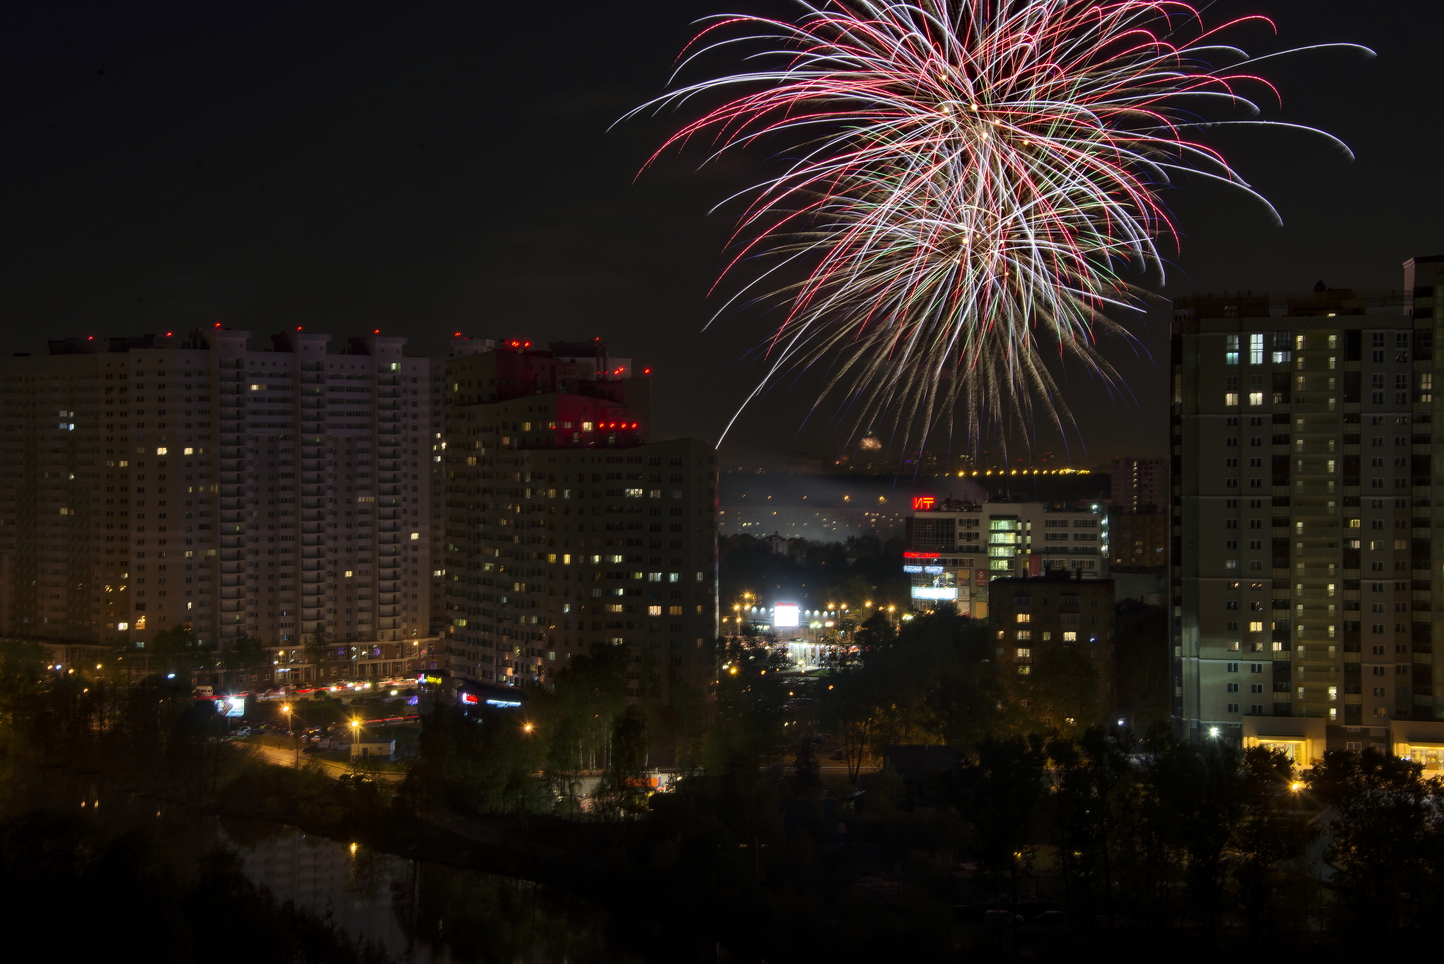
(1306,575)
(157,481)
(567,527)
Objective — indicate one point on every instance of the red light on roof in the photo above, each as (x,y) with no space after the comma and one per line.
(90,338)
(298,327)
(456,334)
(646,371)
(218,324)
(167,334)
(526,344)
(375,331)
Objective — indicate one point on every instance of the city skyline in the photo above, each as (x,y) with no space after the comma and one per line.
(261,194)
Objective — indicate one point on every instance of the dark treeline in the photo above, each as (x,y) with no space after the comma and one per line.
(1040,829)
(1135,843)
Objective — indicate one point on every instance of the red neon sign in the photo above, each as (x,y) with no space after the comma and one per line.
(922,503)
(921,555)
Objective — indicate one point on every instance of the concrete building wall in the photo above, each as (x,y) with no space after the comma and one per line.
(1139,485)
(1305,512)
(569,528)
(191,480)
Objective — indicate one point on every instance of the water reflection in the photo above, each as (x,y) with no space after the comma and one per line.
(420,912)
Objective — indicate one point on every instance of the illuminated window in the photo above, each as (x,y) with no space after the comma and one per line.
(654,610)
(1069,636)
(1025,617)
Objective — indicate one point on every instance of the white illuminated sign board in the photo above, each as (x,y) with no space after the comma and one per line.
(927,592)
(785,616)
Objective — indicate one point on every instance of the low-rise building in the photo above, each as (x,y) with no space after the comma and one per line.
(956,549)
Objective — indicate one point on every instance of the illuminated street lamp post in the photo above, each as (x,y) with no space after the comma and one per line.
(291,728)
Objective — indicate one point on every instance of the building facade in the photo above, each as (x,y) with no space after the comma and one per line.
(164,481)
(1139,485)
(956,549)
(1137,541)
(1031,615)
(568,527)
(1305,568)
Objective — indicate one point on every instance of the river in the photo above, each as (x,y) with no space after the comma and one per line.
(420,912)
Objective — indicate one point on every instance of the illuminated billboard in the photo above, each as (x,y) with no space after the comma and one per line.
(935,592)
(785,616)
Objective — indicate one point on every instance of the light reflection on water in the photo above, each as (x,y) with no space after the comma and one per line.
(421,913)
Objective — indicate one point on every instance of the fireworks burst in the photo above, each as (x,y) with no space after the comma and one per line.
(965,183)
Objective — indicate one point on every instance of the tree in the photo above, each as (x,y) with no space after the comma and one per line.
(176,651)
(1063,687)
(1142,648)
(1387,839)
(624,789)
(245,655)
(316,648)
(1093,780)
(998,793)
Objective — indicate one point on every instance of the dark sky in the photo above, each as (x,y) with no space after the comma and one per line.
(425,168)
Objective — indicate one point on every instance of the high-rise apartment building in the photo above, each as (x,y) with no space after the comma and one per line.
(1139,485)
(956,548)
(158,481)
(1306,595)
(567,527)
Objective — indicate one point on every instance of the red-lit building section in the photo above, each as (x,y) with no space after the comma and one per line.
(557,400)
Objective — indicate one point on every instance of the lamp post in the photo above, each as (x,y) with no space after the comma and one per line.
(291,728)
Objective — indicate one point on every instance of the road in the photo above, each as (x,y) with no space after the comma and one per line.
(333,768)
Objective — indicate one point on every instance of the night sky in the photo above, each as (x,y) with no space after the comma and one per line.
(428,168)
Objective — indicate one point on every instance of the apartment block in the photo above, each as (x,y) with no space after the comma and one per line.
(1137,541)
(1032,615)
(165,480)
(568,526)
(955,549)
(1139,485)
(1304,527)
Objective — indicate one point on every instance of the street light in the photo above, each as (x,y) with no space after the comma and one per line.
(291,728)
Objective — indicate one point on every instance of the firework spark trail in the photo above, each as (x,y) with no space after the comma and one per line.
(966,176)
